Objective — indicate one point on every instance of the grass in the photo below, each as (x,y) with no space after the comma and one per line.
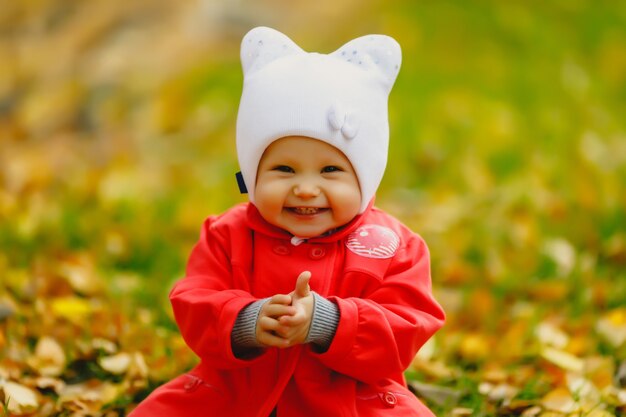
(507,155)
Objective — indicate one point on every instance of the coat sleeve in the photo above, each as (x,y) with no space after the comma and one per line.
(380,334)
(206,305)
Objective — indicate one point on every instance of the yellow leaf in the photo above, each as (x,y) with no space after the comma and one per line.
(562,253)
(90,395)
(563,359)
(474,347)
(49,358)
(550,335)
(45,382)
(462,412)
(531,412)
(81,276)
(549,291)
(600,370)
(499,392)
(560,400)
(494,373)
(117,364)
(436,369)
(552,414)
(20,399)
(612,326)
(138,367)
(599,413)
(585,392)
(104,344)
(615,397)
(72,308)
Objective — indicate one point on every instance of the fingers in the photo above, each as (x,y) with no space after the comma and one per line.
(269,332)
(284,299)
(292,320)
(302,284)
(277,310)
(272,340)
(282,321)
(278,305)
(272,333)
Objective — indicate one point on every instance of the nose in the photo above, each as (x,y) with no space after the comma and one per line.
(306,189)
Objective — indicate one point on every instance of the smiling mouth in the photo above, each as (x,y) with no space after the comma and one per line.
(307,210)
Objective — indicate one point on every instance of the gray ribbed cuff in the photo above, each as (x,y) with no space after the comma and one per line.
(244,330)
(324,322)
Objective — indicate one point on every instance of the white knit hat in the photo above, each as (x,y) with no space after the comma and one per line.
(339,98)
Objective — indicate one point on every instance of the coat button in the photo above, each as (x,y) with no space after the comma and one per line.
(281,250)
(389,399)
(317,253)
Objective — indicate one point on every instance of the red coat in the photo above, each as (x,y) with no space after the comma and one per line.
(377,272)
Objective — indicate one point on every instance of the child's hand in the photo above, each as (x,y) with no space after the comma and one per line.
(269,331)
(294,327)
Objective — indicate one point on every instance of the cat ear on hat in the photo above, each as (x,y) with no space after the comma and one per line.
(379,53)
(263,45)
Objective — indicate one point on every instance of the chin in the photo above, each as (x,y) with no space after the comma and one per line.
(307,233)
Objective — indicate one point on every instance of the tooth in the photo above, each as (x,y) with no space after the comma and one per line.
(306,210)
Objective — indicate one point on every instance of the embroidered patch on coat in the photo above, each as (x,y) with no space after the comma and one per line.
(373,241)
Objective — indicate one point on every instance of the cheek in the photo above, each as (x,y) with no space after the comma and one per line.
(348,200)
(268,196)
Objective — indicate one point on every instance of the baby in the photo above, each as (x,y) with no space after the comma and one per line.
(306,301)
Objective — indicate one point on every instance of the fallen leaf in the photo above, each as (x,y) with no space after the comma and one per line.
(560,400)
(615,397)
(138,368)
(498,392)
(20,399)
(81,276)
(531,412)
(599,413)
(435,369)
(73,309)
(49,358)
(586,394)
(563,359)
(474,347)
(612,327)
(461,412)
(104,345)
(517,407)
(494,373)
(89,396)
(562,253)
(117,364)
(442,396)
(45,382)
(549,291)
(600,370)
(552,414)
(550,335)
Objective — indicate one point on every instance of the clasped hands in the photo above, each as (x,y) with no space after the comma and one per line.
(285,319)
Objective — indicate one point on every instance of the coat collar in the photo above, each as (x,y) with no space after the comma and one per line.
(257,223)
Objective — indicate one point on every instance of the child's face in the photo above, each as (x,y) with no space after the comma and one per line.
(306,186)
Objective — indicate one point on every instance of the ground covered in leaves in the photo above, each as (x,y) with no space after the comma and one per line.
(508,154)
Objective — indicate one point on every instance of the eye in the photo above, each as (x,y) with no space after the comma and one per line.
(283,168)
(331,168)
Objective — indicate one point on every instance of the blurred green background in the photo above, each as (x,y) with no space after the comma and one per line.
(508,155)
